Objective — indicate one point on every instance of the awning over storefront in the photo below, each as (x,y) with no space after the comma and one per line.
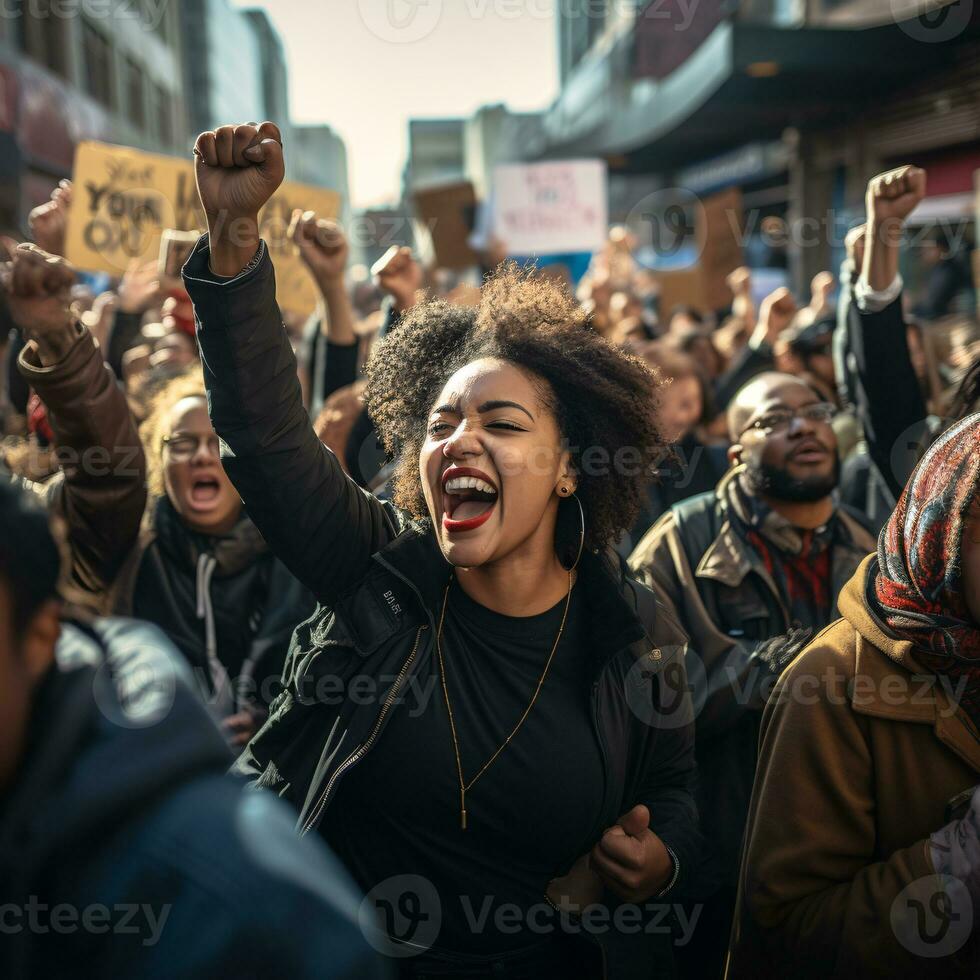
(743,83)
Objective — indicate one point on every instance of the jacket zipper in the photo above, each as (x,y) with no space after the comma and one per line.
(365,746)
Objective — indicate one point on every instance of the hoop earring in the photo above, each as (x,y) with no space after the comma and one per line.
(581,542)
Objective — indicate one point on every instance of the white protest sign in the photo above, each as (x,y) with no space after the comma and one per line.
(550,207)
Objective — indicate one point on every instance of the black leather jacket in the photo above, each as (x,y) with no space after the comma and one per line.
(379,576)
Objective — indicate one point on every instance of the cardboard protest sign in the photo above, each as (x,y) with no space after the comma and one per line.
(124,199)
(448,211)
(720,239)
(550,208)
(681,287)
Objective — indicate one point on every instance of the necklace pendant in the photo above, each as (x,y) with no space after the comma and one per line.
(462,818)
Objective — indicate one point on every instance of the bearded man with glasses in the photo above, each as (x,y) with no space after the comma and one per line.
(752,571)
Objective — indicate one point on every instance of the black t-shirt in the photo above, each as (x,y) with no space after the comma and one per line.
(529,816)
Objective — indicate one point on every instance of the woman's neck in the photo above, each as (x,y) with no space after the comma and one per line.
(518,585)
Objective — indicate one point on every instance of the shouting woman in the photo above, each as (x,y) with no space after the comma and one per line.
(485,718)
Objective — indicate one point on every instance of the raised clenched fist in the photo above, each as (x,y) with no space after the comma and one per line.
(892,196)
(776,312)
(821,288)
(238,169)
(739,281)
(140,286)
(49,221)
(322,246)
(399,275)
(38,288)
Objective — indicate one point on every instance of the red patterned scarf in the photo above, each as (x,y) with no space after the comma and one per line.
(918,590)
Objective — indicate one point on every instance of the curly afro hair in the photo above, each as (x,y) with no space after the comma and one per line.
(604,400)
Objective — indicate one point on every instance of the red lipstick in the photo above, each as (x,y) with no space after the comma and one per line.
(468,523)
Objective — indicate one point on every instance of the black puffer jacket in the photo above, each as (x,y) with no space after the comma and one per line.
(379,577)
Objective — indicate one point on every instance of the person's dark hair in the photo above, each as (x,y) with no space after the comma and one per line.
(672,362)
(30,560)
(601,396)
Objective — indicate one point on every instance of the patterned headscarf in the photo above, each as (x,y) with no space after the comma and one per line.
(918,589)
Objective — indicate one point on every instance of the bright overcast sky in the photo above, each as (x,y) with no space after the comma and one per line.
(367,66)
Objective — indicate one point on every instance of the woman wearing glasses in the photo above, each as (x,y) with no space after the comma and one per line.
(200,569)
(197,567)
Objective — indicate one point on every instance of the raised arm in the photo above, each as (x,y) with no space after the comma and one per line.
(776,312)
(103,491)
(333,347)
(888,401)
(317,520)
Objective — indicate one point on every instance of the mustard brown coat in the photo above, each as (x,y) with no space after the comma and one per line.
(863,756)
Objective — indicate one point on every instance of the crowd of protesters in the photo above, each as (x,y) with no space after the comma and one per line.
(586,638)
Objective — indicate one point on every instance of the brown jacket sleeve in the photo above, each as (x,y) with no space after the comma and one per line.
(101,493)
(816,898)
(725,681)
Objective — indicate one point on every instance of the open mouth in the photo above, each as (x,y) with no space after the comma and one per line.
(205,491)
(469,497)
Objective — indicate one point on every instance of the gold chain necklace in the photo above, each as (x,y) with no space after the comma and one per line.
(465,787)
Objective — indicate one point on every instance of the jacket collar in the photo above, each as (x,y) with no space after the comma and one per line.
(614,621)
(890,684)
(729,558)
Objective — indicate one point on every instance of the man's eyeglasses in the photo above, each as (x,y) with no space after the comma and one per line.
(185,446)
(780,419)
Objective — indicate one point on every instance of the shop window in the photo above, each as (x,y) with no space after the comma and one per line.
(135,109)
(97,65)
(161,115)
(40,33)
(584,21)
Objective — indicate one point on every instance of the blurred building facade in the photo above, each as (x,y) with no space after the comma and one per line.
(319,157)
(792,104)
(273,70)
(436,153)
(150,75)
(77,72)
(492,135)
(234,68)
